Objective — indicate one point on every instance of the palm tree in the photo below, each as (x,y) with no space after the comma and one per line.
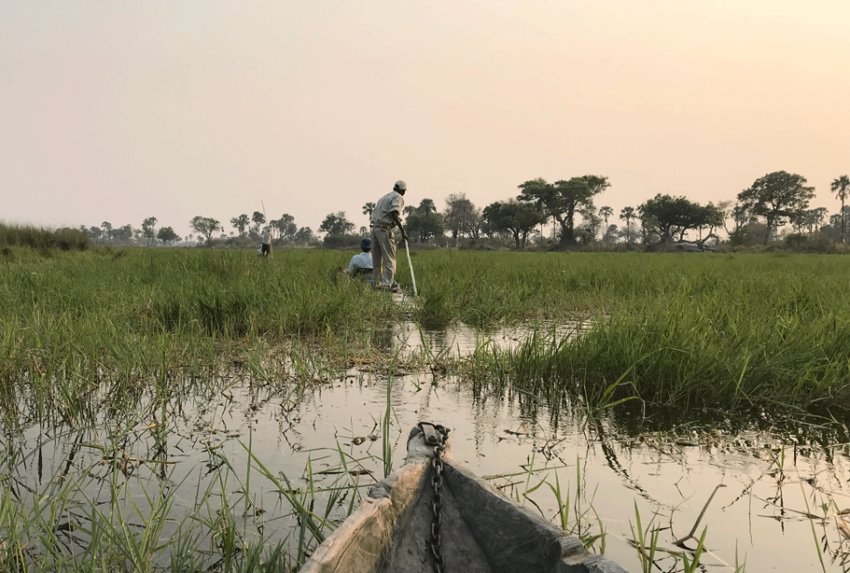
(606,212)
(368,209)
(841,188)
(426,207)
(259,219)
(628,213)
(241,223)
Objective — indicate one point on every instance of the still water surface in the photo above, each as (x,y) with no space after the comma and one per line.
(778,482)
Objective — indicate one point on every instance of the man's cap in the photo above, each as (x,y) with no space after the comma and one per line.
(366,243)
(400,185)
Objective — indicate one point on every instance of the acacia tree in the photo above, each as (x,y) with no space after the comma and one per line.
(286,227)
(516,217)
(124,233)
(671,217)
(712,217)
(167,235)
(779,197)
(563,199)
(304,236)
(841,187)
(462,217)
(336,224)
(95,232)
(206,226)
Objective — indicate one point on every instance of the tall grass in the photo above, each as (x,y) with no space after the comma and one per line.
(76,326)
(107,511)
(723,331)
(730,333)
(41,239)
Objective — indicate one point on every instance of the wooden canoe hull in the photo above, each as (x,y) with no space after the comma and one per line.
(482,531)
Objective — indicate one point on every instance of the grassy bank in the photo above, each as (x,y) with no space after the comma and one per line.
(77,326)
(693,332)
(688,330)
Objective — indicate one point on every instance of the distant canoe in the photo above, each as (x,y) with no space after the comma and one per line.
(480,531)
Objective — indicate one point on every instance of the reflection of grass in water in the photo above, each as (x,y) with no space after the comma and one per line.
(131,526)
(137,525)
(579,519)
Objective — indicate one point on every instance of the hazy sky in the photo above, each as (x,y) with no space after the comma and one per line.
(120,110)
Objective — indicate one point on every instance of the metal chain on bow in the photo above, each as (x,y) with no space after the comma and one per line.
(436,435)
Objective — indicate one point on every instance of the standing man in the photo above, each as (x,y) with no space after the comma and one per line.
(385,217)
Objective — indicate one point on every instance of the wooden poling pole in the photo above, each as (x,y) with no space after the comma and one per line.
(409,264)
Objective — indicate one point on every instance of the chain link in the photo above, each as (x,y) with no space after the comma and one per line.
(437,503)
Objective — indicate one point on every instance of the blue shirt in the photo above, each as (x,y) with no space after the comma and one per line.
(361,261)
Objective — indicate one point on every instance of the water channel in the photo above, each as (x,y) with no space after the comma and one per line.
(778,482)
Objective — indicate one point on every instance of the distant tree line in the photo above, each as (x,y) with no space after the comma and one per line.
(777,200)
(209,231)
(148,234)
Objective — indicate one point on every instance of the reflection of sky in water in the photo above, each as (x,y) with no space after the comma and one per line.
(760,512)
(461,340)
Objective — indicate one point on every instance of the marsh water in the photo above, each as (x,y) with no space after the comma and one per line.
(783,486)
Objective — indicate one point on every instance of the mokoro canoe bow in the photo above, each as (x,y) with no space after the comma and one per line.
(479,530)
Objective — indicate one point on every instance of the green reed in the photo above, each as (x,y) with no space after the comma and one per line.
(77,325)
(690,330)
(729,332)
(41,240)
(104,516)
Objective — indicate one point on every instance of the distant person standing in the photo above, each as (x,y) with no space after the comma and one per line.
(385,218)
(266,247)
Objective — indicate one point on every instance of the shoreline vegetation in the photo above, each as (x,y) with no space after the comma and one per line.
(730,331)
(114,338)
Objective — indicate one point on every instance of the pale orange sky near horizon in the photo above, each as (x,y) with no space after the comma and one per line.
(117,111)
